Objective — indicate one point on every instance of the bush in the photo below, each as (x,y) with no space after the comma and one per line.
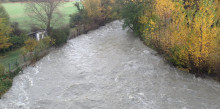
(7,82)
(43,44)
(16,30)
(60,35)
(2,70)
(17,41)
(79,19)
(2,88)
(5,86)
(15,73)
(30,44)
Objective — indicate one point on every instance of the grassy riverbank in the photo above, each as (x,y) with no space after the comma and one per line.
(10,56)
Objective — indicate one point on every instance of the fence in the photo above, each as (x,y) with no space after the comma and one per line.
(16,62)
(23,61)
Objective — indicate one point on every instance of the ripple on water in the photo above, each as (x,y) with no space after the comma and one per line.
(108,68)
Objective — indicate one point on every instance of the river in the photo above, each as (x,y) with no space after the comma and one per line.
(108,68)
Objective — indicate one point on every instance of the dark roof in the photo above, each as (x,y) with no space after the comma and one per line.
(32,33)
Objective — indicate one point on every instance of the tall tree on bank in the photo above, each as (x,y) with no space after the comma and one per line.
(4,14)
(45,12)
(99,10)
(4,29)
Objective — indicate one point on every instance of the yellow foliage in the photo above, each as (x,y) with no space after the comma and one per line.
(31,44)
(98,9)
(190,36)
(164,8)
(93,7)
(204,35)
(4,31)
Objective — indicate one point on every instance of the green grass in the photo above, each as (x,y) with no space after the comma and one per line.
(17,13)
(10,58)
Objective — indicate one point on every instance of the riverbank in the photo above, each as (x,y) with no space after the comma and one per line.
(30,59)
(215,75)
(6,79)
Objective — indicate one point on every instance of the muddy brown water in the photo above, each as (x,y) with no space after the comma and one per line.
(108,68)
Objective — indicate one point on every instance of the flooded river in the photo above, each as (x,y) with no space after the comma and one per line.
(108,68)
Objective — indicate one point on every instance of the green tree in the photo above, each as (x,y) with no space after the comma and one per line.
(131,12)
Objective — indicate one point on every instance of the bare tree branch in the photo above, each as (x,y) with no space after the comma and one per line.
(44,11)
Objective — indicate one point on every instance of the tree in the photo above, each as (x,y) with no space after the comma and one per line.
(99,10)
(4,31)
(4,14)
(133,11)
(79,18)
(204,37)
(45,12)
(179,35)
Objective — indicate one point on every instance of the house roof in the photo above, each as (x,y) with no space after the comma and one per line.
(32,33)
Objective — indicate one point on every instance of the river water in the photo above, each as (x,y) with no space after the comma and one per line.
(108,68)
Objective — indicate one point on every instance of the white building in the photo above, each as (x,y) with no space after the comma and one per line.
(38,35)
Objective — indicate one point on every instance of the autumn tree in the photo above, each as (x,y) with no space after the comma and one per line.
(4,14)
(98,10)
(179,34)
(204,34)
(45,12)
(4,29)
(30,45)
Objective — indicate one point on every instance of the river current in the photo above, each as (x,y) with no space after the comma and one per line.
(108,68)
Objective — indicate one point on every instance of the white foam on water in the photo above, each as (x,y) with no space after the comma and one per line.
(108,68)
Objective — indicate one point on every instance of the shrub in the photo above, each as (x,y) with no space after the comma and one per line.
(2,88)
(30,44)
(79,19)
(60,35)
(43,44)
(2,69)
(15,73)
(7,82)
(17,41)
(16,30)
(5,85)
